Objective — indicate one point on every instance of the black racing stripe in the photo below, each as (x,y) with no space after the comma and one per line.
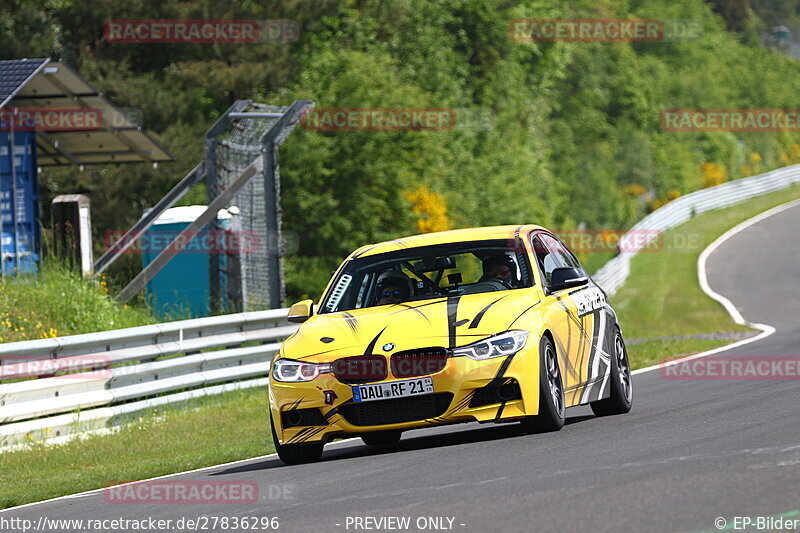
(295,404)
(574,318)
(364,251)
(371,345)
(595,347)
(479,316)
(569,324)
(582,344)
(351,321)
(330,414)
(311,434)
(525,311)
(452,313)
(498,380)
(566,360)
(299,434)
(410,308)
(464,401)
(462,322)
(499,411)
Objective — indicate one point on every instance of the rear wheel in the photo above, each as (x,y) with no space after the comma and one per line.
(381,438)
(293,454)
(620,382)
(551,393)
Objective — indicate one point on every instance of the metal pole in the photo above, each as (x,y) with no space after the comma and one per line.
(272,190)
(214,306)
(271,208)
(211,142)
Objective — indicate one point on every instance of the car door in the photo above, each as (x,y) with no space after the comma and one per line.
(573,328)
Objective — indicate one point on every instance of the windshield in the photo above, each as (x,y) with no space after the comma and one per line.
(428,272)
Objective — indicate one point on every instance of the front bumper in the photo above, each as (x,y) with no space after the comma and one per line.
(459,391)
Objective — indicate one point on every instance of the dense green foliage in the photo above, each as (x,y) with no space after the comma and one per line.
(560,134)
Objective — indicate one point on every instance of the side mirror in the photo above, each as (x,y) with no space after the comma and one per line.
(567,277)
(301,311)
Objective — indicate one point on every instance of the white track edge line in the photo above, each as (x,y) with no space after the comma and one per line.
(766,329)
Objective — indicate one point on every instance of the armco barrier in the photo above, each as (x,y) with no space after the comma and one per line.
(127,370)
(614,273)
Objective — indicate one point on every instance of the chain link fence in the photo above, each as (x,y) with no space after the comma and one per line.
(244,272)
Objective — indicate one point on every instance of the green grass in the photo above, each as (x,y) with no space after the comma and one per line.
(204,432)
(56,302)
(662,295)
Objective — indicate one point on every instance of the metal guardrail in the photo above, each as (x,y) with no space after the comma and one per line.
(614,273)
(84,373)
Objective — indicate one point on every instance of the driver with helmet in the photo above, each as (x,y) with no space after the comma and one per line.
(393,287)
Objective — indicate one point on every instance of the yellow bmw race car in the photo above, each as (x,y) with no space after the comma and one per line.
(487,324)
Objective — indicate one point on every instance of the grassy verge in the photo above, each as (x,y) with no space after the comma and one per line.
(56,302)
(662,295)
(204,432)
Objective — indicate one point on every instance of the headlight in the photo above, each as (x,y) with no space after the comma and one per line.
(289,370)
(500,345)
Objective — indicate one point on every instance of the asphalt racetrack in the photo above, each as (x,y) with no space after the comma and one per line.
(690,451)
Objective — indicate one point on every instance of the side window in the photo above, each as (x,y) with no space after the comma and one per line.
(552,254)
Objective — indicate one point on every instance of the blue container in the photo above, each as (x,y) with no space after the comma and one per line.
(19,227)
(181,288)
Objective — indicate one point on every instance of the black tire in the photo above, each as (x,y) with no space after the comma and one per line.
(293,454)
(551,393)
(620,382)
(381,438)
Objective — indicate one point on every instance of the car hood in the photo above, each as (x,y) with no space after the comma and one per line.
(448,322)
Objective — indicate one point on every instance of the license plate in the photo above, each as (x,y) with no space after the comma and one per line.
(392,389)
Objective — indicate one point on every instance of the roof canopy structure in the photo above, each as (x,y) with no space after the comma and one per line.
(74,122)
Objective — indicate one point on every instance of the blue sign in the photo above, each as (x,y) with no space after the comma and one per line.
(19,202)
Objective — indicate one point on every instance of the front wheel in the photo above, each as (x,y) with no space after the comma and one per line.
(551,393)
(293,454)
(621,382)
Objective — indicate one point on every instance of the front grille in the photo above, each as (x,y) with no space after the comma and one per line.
(303,417)
(360,369)
(379,412)
(422,362)
(496,394)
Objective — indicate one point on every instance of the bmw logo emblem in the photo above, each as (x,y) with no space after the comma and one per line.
(388,347)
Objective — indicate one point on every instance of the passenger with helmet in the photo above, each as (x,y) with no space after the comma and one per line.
(393,287)
(499,267)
